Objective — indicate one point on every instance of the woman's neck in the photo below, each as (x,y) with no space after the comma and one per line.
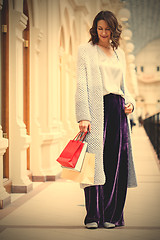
(106,45)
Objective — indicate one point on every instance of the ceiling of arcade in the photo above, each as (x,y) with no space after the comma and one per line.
(144,21)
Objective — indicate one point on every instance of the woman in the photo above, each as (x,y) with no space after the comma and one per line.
(102,106)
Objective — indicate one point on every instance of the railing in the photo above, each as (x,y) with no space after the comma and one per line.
(152,128)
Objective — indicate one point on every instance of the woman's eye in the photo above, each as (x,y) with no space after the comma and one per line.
(105,29)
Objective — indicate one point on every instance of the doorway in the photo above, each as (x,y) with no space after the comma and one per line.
(26,78)
(5,81)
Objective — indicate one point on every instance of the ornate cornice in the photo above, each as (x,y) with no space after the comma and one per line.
(149,78)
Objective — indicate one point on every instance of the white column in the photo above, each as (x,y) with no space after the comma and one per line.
(64,92)
(19,140)
(72,91)
(54,133)
(36,132)
(5,198)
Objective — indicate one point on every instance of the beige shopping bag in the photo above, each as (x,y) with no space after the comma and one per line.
(86,176)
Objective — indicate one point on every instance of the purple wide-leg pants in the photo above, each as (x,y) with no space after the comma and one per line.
(105,203)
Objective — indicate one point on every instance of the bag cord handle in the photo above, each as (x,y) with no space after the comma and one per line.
(80,136)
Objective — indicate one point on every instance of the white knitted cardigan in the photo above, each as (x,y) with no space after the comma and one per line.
(89,106)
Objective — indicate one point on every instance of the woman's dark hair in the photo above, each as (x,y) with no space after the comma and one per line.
(113,24)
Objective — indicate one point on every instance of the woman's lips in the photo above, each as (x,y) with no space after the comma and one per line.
(104,36)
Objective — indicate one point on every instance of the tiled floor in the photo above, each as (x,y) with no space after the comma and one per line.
(55,210)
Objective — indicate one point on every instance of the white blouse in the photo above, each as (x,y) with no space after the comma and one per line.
(111,71)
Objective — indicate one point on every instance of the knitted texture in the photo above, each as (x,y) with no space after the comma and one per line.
(89,106)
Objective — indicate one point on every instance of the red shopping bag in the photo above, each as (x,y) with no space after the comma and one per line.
(70,154)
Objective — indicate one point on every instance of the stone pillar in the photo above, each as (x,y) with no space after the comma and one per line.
(52,137)
(36,132)
(72,90)
(44,146)
(5,198)
(19,140)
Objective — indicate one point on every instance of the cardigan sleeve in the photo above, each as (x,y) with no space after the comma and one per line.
(81,97)
(128,97)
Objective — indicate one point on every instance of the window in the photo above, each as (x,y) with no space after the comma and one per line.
(158,68)
(142,69)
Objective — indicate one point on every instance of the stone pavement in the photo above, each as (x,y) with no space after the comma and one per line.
(55,210)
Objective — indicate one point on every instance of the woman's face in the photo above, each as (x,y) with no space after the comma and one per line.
(104,32)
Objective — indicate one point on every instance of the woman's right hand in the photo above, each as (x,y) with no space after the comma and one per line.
(84,126)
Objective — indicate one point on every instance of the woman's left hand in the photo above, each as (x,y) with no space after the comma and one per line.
(128,108)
